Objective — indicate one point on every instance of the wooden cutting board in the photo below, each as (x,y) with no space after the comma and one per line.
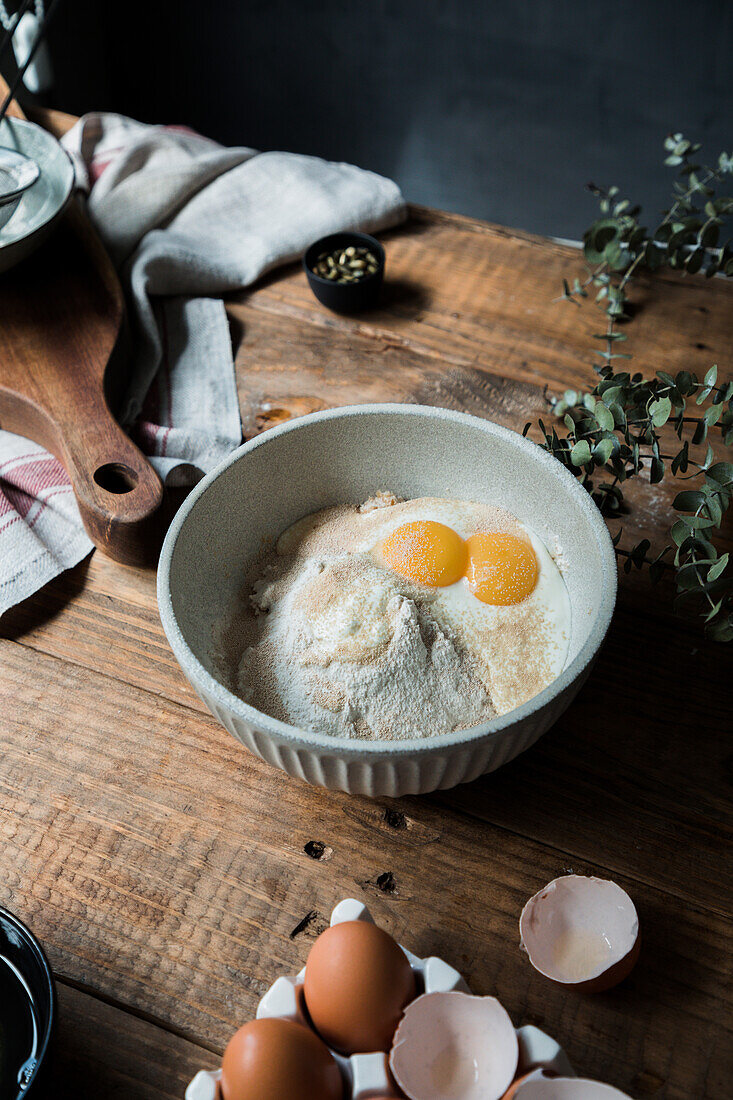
(62,320)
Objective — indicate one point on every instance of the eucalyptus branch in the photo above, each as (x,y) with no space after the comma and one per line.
(612,432)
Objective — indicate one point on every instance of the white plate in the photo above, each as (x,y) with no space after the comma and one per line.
(43,202)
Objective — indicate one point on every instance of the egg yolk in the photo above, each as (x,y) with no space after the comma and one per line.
(502,569)
(427,552)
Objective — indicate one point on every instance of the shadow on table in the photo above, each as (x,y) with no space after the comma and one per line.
(45,605)
(103,1052)
(402,297)
(636,776)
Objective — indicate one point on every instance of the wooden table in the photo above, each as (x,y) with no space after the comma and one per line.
(168,872)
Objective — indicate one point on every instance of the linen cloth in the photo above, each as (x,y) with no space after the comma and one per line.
(185,220)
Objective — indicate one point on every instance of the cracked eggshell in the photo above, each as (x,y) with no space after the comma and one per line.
(454,1046)
(582,933)
(540,1086)
(367,1076)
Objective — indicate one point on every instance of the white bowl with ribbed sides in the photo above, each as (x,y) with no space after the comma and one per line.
(344,456)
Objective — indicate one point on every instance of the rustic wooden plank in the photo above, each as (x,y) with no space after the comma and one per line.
(286,367)
(137,841)
(137,834)
(662,768)
(103,1051)
(478,296)
(103,616)
(637,772)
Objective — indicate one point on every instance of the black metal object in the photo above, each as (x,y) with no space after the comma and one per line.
(21,71)
(22,955)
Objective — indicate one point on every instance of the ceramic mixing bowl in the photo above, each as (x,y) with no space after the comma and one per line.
(344,456)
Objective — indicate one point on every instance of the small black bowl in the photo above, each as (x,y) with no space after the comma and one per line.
(345,297)
(27,1010)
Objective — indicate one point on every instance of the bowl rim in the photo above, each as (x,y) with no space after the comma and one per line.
(357,748)
(33,945)
(8,241)
(353,235)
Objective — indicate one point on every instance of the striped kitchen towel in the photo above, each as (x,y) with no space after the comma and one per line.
(185,220)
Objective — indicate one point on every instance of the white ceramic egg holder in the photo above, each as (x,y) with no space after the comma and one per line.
(367,1075)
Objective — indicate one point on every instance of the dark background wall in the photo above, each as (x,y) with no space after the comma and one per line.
(503,111)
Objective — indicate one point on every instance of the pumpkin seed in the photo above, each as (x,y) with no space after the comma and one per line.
(346,265)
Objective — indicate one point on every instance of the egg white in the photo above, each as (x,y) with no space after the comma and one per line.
(470,620)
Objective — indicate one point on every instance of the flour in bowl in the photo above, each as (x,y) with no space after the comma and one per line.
(363,623)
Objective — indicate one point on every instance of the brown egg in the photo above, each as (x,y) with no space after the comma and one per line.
(357,982)
(265,1057)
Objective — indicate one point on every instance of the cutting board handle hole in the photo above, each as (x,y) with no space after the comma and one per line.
(116,477)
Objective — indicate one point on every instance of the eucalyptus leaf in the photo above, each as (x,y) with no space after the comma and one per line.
(619,420)
(660,410)
(700,523)
(679,532)
(679,462)
(689,501)
(603,450)
(700,433)
(656,471)
(684,382)
(719,567)
(720,472)
(580,454)
(720,631)
(604,417)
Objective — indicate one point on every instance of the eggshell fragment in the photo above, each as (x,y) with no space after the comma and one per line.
(453,1046)
(538,1086)
(357,982)
(581,932)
